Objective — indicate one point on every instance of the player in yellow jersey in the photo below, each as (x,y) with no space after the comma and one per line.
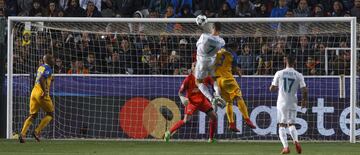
(225,66)
(40,98)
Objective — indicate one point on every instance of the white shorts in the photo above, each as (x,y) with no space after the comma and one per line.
(204,67)
(286,116)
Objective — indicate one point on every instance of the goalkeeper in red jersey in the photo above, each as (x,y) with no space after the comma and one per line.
(194,101)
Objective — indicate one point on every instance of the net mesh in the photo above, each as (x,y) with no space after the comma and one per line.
(120,80)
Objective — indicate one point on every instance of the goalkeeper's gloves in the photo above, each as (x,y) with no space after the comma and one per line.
(218,101)
(184,100)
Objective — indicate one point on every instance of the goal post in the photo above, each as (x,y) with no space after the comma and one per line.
(353,83)
(234,27)
(9,79)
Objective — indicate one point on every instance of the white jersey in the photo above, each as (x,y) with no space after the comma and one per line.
(288,81)
(208,45)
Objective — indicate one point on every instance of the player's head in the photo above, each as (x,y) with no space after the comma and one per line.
(290,60)
(216,28)
(49,59)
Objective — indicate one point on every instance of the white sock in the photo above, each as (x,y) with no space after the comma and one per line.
(293,133)
(283,136)
(205,91)
(217,88)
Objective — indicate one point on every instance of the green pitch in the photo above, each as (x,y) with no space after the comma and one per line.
(79,147)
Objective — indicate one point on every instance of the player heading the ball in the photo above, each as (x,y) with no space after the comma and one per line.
(287,82)
(194,101)
(207,47)
(40,98)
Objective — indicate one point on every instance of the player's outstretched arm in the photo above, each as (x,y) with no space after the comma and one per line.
(304,92)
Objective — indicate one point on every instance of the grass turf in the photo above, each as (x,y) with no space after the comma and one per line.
(81,147)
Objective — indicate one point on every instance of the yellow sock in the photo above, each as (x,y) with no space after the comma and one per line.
(229,112)
(242,107)
(26,125)
(44,122)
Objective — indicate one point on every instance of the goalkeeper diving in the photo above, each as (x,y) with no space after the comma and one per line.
(194,101)
(225,66)
(40,99)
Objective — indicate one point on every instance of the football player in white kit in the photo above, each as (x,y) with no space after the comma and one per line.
(207,47)
(287,82)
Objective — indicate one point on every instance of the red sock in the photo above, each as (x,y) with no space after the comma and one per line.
(176,126)
(212,125)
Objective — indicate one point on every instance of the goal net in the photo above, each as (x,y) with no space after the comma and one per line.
(119,78)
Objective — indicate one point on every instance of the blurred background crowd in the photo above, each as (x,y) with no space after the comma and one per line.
(166,54)
(182,8)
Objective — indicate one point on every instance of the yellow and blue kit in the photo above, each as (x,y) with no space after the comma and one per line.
(224,63)
(37,100)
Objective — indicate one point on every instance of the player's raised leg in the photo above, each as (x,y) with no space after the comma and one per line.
(243,108)
(180,123)
(217,96)
(215,100)
(189,110)
(176,126)
(204,89)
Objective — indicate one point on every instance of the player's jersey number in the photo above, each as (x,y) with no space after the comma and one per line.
(288,83)
(211,49)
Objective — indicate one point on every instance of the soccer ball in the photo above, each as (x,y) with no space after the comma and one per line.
(201,20)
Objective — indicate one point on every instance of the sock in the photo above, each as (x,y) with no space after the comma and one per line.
(26,125)
(176,126)
(229,112)
(283,136)
(212,129)
(216,88)
(44,122)
(293,133)
(205,91)
(242,107)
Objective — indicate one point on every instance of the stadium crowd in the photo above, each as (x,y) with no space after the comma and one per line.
(84,53)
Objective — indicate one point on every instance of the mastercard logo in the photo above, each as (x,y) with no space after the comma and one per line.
(141,118)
